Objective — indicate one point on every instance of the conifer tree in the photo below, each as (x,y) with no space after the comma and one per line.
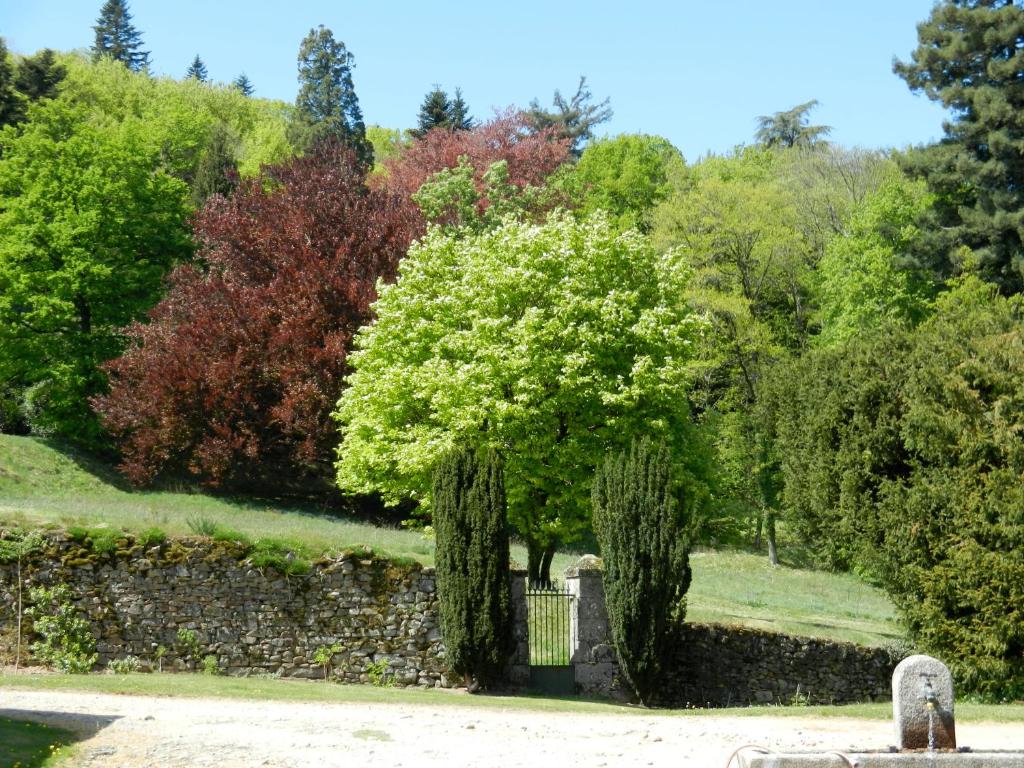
(38,76)
(644,527)
(118,38)
(327,102)
(197,70)
(969,59)
(572,119)
(243,84)
(472,559)
(791,128)
(435,112)
(439,111)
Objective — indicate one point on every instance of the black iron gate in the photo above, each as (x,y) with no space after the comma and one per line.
(551,640)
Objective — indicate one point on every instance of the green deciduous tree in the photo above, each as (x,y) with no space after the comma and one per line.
(645,519)
(551,344)
(117,37)
(327,103)
(197,70)
(573,119)
(791,128)
(89,225)
(970,58)
(868,278)
(627,176)
(472,556)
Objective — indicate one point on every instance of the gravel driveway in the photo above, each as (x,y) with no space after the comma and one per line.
(151,732)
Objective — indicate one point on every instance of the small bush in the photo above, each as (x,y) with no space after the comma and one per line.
(210,665)
(152,537)
(188,644)
(201,525)
(125,666)
(66,640)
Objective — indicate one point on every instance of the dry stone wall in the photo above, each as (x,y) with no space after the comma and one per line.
(382,614)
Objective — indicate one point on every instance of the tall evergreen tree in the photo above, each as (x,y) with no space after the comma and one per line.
(217,170)
(790,128)
(460,118)
(573,119)
(970,58)
(10,102)
(644,527)
(197,70)
(243,84)
(39,75)
(327,102)
(118,38)
(473,565)
(435,112)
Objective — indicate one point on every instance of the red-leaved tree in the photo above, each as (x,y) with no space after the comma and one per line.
(234,376)
(531,156)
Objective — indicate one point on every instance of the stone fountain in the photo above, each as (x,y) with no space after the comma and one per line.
(922,703)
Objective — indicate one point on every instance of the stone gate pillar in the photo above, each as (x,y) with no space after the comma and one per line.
(592,654)
(519,664)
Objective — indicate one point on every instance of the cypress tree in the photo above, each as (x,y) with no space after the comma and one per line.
(118,38)
(243,84)
(197,70)
(217,171)
(472,559)
(645,538)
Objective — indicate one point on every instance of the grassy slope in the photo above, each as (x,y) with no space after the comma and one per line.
(41,485)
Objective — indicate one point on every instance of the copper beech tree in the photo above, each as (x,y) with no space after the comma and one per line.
(235,374)
(531,156)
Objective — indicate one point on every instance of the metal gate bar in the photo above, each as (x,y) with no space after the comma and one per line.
(550,628)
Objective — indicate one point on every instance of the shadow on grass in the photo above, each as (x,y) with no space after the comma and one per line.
(34,738)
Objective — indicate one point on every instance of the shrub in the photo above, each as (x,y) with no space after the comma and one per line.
(644,524)
(125,666)
(66,640)
(473,565)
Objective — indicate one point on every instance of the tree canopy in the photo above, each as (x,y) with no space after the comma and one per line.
(791,128)
(550,343)
(573,119)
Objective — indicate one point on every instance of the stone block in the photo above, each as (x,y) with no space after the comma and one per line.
(922,704)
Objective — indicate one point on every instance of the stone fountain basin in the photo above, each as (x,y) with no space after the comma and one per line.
(915,759)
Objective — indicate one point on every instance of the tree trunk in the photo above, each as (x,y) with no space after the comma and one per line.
(534,554)
(545,566)
(773,554)
(757,531)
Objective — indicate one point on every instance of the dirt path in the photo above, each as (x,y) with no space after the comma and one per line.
(147,732)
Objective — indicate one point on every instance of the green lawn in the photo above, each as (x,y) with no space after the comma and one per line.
(32,745)
(41,484)
(272,689)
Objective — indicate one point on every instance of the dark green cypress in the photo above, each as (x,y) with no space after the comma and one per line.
(645,539)
(472,559)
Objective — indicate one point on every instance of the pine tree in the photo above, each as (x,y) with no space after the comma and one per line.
(38,76)
(644,531)
(217,169)
(243,84)
(327,102)
(118,38)
(969,59)
(435,112)
(574,119)
(459,117)
(197,70)
(439,111)
(472,565)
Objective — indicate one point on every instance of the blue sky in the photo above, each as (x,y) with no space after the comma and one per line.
(696,72)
